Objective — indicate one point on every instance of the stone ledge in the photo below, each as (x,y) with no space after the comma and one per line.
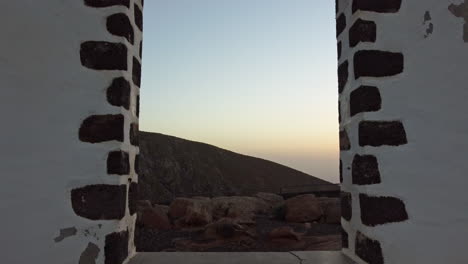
(296,257)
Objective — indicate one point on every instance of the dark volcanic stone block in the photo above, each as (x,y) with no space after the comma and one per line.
(346,206)
(344,141)
(134,134)
(341,172)
(344,239)
(136,72)
(132,197)
(380,6)
(107,3)
(118,93)
(137,164)
(119,25)
(100,202)
(116,248)
(365,170)
(376,63)
(141,49)
(379,133)
(368,249)
(338,47)
(138,106)
(365,99)
(340,24)
(118,162)
(101,55)
(138,17)
(342,76)
(339,112)
(90,254)
(381,210)
(362,31)
(101,128)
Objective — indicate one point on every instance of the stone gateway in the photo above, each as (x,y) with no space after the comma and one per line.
(71,77)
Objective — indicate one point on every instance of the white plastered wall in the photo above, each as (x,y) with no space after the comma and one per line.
(430,172)
(46,94)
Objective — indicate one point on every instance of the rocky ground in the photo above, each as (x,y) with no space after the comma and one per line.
(265,222)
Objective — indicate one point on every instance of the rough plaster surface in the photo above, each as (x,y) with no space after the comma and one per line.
(46,94)
(429,97)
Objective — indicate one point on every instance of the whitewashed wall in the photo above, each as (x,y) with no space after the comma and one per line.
(423,215)
(46,95)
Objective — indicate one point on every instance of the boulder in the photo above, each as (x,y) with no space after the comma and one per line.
(143,204)
(273,199)
(303,208)
(198,215)
(279,212)
(331,208)
(242,208)
(221,229)
(164,208)
(284,232)
(179,206)
(227,229)
(153,217)
(191,211)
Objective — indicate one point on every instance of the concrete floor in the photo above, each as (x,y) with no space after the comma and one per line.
(296,257)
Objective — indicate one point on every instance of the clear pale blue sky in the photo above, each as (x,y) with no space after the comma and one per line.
(256,77)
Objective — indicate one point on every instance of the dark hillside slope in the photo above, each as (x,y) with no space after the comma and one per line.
(173,166)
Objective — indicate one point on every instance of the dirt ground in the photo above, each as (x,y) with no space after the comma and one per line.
(316,236)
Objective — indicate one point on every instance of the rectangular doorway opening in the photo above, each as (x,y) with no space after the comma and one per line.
(239,143)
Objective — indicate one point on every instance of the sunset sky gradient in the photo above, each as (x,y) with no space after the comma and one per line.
(256,77)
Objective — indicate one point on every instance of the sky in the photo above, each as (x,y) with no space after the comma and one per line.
(257,77)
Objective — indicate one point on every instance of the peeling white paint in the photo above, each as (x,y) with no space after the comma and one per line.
(64,233)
